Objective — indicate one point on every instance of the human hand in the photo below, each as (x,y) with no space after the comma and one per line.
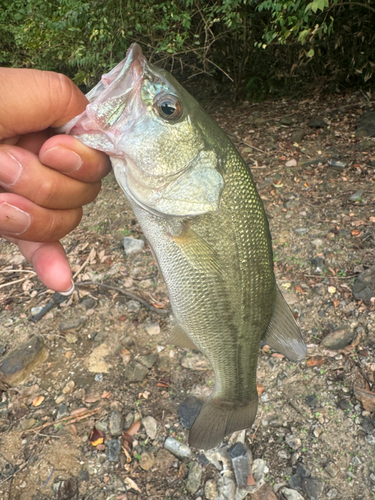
(45,179)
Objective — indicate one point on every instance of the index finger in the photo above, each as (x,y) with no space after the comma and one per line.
(33,100)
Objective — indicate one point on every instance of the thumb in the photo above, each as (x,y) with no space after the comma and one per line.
(33,100)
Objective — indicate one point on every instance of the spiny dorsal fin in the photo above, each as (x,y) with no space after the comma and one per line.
(283,333)
(180,338)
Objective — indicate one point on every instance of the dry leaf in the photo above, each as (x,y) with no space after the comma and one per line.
(315,361)
(129,482)
(106,395)
(367,398)
(336,302)
(38,400)
(355,232)
(134,428)
(277,355)
(260,389)
(96,437)
(78,411)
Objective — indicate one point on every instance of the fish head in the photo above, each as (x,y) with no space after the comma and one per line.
(156,135)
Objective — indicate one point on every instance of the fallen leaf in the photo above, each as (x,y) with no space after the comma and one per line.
(355,232)
(106,395)
(134,428)
(79,411)
(372,219)
(73,430)
(96,437)
(129,482)
(260,389)
(298,289)
(336,302)
(367,398)
(38,400)
(315,361)
(277,355)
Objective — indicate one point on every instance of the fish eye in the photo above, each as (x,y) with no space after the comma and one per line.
(169,107)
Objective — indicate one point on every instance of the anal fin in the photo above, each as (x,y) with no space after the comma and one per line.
(180,338)
(283,333)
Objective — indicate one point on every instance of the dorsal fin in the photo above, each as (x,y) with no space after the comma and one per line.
(283,333)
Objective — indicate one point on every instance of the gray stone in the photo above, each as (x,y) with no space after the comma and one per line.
(113,450)
(148,361)
(316,122)
(295,481)
(302,471)
(311,162)
(364,286)
(241,461)
(89,303)
(356,461)
(301,230)
(332,493)
(36,310)
(291,494)
(257,469)
(73,323)
(133,306)
(287,120)
(284,454)
(331,469)
(337,164)
(194,478)
(356,196)
(116,423)
(152,328)
(298,135)
(102,425)
(293,442)
(135,372)
(62,411)
(188,411)
(164,460)
(18,364)
(339,338)
(27,423)
(210,490)
(180,450)
(366,125)
(132,245)
(313,488)
(226,487)
(151,426)
(317,243)
(146,461)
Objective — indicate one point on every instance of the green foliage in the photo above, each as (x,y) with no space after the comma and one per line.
(262,46)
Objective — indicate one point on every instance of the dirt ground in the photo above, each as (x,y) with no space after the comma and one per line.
(322,242)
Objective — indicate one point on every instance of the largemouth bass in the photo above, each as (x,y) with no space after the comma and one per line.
(197,204)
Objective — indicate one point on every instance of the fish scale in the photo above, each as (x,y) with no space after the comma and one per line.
(199,209)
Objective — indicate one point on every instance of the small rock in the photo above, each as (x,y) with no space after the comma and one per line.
(188,411)
(317,243)
(152,328)
(366,125)
(129,419)
(27,423)
(344,404)
(302,471)
(97,361)
(71,338)
(356,196)
(301,230)
(293,442)
(337,164)
(116,423)
(316,123)
(151,426)
(364,286)
(36,310)
(195,361)
(133,305)
(102,426)
(339,338)
(72,323)
(295,481)
(291,163)
(146,461)
(291,494)
(286,120)
(135,372)
(132,245)
(164,460)
(264,493)
(18,364)
(370,439)
(331,469)
(241,461)
(62,411)
(113,450)
(59,399)
(227,488)
(194,478)
(69,387)
(298,135)
(366,426)
(332,493)
(89,303)
(210,490)
(356,461)
(148,361)
(313,488)
(258,469)
(66,490)
(284,454)
(180,450)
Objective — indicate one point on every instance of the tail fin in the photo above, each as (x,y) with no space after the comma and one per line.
(218,418)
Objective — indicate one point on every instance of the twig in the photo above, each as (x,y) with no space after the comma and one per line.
(18,271)
(124,292)
(13,282)
(69,420)
(253,147)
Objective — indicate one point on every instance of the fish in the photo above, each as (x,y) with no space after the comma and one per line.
(198,207)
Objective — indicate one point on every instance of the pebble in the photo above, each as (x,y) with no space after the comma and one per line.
(344,404)
(27,423)
(291,494)
(194,478)
(339,338)
(226,488)
(302,471)
(316,122)
(356,196)
(72,323)
(313,488)
(180,450)
(36,310)
(293,442)
(291,163)
(97,359)
(147,460)
(132,245)
(317,243)
(69,387)
(301,230)
(331,469)
(62,411)
(210,490)
(129,419)
(133,306)
(364,286)
(66,490)
(356,461)
(295,481)
(332,493)
(152,328)
(113,450)
(59,399)
(71,338)
(148,361)
(241,462)
(258,469)
(164,460)
(135,372)
(116,423)
(370,439)
(188,411)
(151,427)
(102,426)
(18,364)
(284,454)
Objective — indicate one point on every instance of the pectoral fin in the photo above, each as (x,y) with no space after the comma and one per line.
(180,338)
(283,333)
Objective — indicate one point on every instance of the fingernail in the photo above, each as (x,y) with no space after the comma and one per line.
(13,220)
(62,157)
(10,169)
(70,291)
